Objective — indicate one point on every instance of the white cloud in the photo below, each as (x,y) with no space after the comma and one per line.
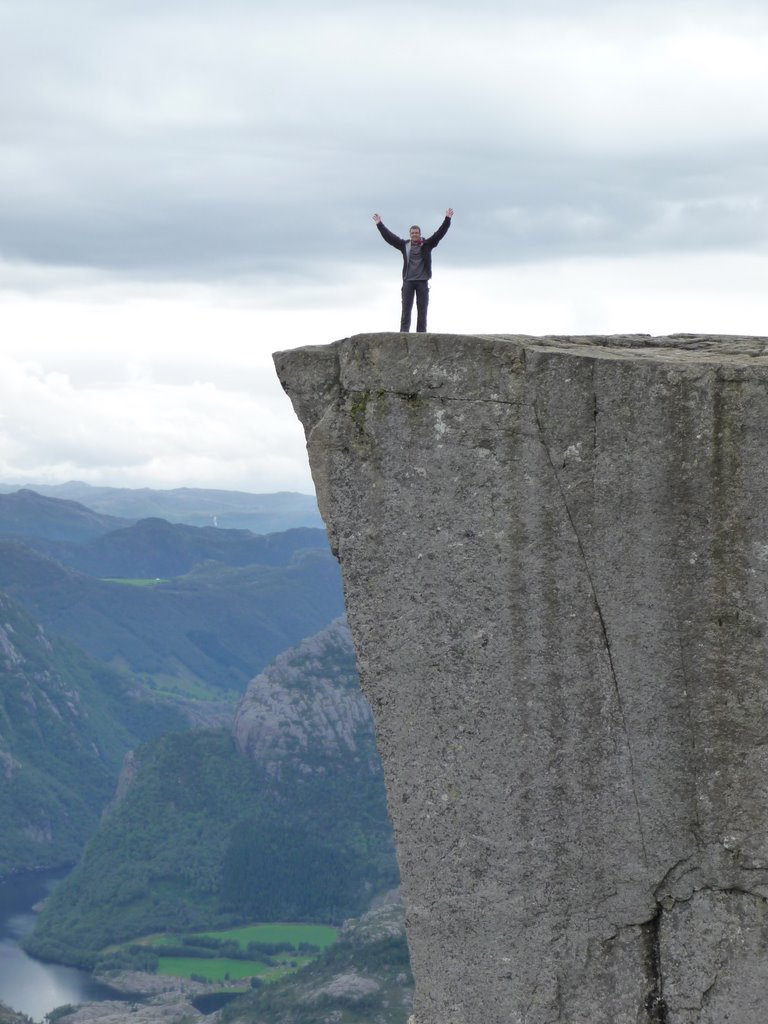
(178,392)
(205,143)
(186,187)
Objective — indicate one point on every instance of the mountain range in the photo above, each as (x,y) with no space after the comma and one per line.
(27,514)
(112,632)
(104,545)
(122,644)
(261,513)
(216,605)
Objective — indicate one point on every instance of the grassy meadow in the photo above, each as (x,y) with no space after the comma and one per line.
(259,965)
(219,969)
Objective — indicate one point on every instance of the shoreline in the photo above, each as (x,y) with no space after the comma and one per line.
(147,999)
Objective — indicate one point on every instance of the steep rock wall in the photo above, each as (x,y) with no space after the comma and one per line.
(555,561)
(305,711)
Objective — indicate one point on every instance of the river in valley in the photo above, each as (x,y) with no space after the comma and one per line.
(28,985)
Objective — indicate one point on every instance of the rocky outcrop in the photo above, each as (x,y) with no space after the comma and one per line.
(363,977)
(305,710)
(555,561)
(171,1006)
(346,988)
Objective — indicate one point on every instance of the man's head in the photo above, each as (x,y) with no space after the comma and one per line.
(415,233)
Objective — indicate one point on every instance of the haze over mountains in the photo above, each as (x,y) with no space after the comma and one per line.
(92,663)
(221,604)
(262,513)
(103,545)
(133,642)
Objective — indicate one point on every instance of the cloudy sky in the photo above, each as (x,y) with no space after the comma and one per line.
(187,186)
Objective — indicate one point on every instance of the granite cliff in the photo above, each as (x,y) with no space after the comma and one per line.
(305,713)
(555,561)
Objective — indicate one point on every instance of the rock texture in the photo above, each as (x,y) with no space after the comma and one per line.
(306,709)
(363,979)
(555,560)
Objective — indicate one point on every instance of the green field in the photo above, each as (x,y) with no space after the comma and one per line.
(220,969)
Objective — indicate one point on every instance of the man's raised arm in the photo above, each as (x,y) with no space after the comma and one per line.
(387,235)
(440,233)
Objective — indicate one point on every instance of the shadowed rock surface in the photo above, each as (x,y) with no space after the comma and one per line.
(555,559)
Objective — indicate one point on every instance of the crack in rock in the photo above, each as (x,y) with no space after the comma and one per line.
(603,627)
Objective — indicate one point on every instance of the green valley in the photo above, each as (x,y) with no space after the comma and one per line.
(266,952)
(364,976)
(180,718)
(213,833)
(218,625)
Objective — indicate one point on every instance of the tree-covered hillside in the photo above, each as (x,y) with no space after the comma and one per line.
(26,513)
(208,631)
(206,836)
(185,617)
(66,722)
(153,548)
(203,839)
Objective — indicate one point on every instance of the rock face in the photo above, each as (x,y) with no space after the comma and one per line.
(306,709)
(555,561)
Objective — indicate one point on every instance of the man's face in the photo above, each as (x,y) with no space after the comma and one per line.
(415,234)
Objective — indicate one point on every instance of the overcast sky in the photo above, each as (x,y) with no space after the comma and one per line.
(187,186)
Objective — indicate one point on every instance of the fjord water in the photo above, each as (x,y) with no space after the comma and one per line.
(28,985)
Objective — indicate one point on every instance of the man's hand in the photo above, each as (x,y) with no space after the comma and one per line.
(376,219)
(448,213)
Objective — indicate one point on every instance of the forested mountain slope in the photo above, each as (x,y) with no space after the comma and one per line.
(65,724)
(154,548)
(206,835)
(26,513)
(89,666)
(198,635)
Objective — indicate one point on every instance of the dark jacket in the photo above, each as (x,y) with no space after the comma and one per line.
(404,244)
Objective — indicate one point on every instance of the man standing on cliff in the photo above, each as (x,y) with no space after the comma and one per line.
(417,268)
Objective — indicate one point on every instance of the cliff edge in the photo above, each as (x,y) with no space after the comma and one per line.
(555,562)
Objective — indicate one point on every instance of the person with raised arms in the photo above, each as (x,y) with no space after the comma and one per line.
(417,267)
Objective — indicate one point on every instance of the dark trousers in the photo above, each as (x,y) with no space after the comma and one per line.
(421,290)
